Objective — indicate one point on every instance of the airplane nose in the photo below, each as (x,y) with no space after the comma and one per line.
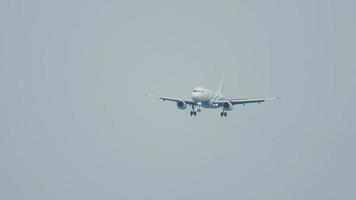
(194,96)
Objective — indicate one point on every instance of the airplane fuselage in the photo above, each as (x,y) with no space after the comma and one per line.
(205,97)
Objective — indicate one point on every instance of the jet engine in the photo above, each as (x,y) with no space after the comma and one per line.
(181,105)
(227,105)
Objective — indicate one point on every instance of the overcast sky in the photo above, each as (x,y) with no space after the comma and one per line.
(75,123)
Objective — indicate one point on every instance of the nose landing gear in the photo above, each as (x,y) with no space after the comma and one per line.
(199,106)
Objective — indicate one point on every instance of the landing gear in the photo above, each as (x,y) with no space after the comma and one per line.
(198,107)
(193,113)
(195,109)
(223,114)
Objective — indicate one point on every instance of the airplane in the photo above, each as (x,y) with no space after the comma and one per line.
(206,98)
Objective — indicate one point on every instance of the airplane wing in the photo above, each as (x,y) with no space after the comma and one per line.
(243,101)
(189,102)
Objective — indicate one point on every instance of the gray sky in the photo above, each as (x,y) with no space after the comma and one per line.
(75,123)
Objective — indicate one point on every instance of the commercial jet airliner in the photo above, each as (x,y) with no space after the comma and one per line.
(205,98)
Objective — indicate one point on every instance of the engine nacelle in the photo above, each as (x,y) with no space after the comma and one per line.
(227,106)
(181,105)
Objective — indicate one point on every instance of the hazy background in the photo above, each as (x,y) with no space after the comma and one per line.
(75,123)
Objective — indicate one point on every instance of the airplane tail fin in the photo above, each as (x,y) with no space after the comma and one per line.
(221,86)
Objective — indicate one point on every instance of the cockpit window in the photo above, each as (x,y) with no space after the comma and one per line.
(197,90)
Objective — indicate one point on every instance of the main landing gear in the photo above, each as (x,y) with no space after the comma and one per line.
(223,114)
(193,113)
